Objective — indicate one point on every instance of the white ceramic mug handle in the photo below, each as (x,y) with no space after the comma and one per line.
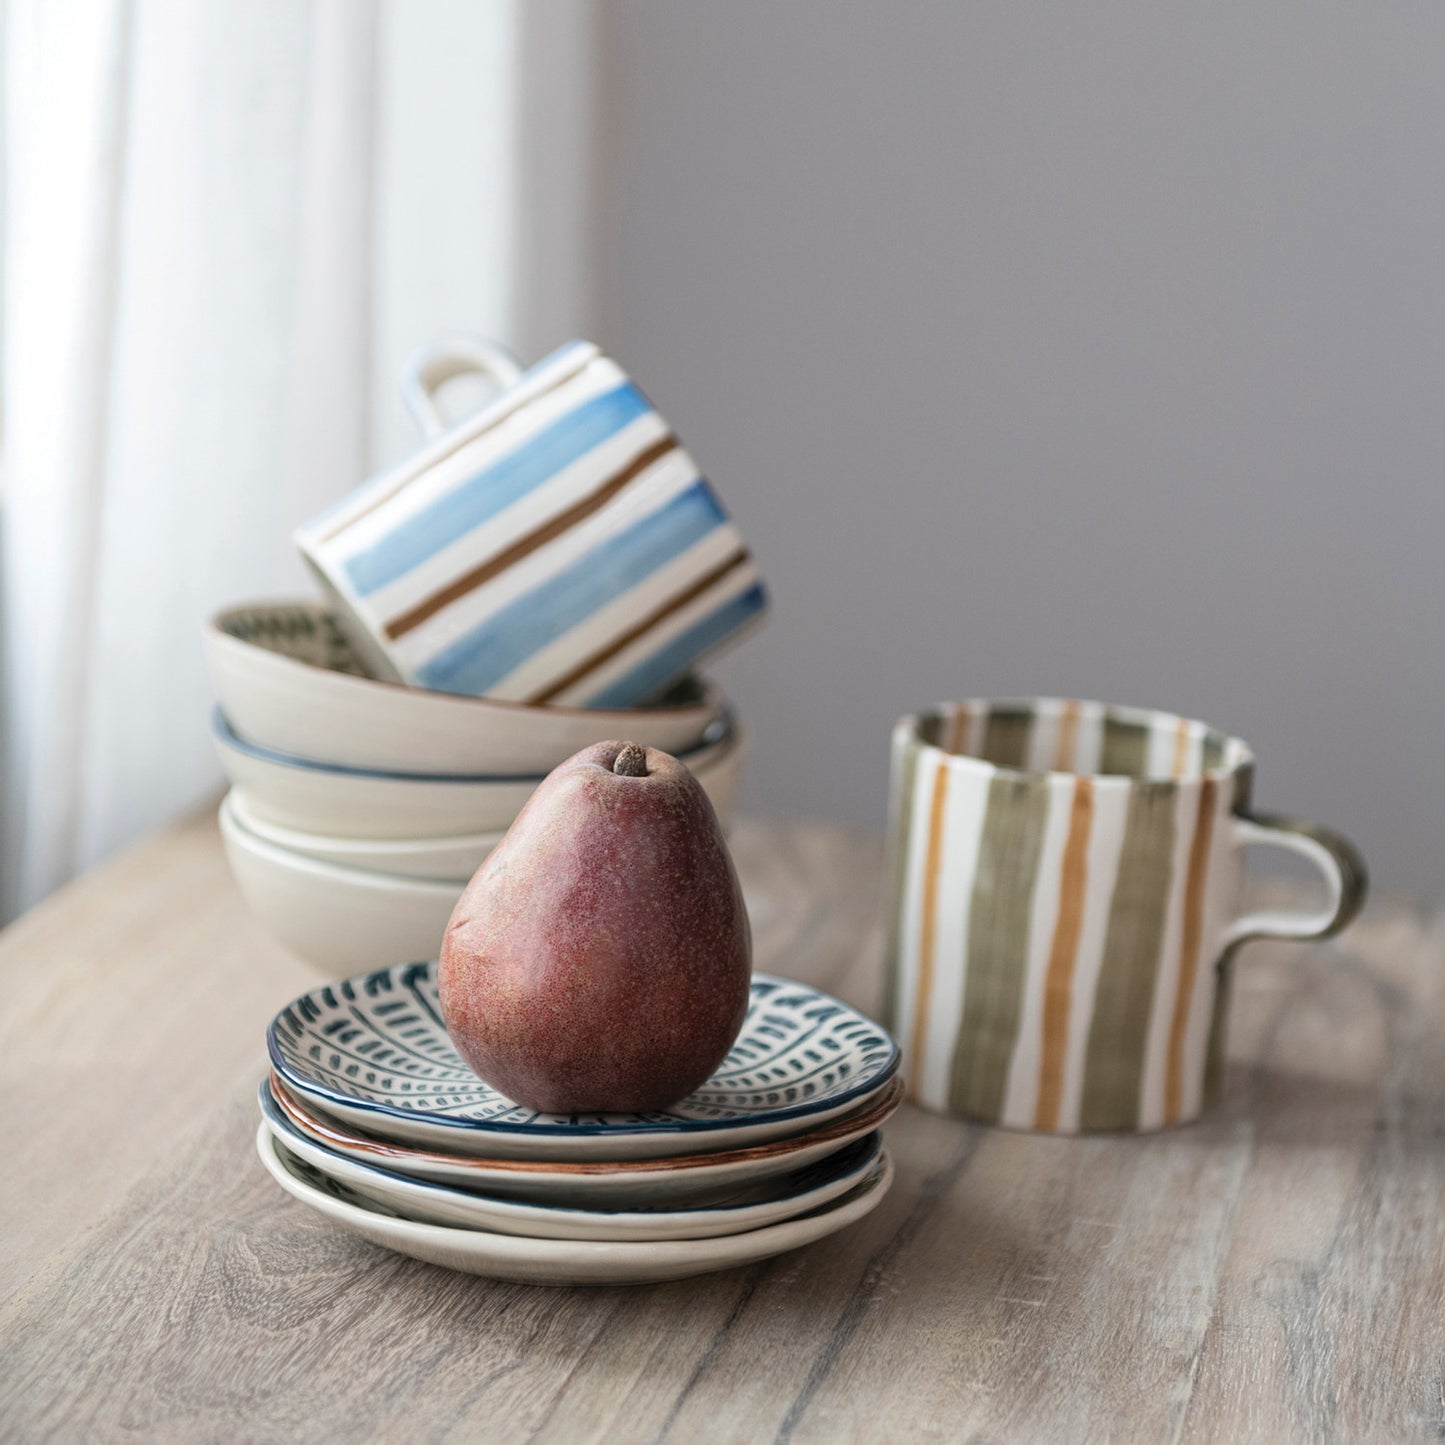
(434,364)
(1338,861)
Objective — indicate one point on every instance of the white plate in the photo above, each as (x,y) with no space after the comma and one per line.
(731,1212)
(562,1261)
(344,801)
(337,919)
(452,859)
(373,1052)
(596,1184)
(288,679)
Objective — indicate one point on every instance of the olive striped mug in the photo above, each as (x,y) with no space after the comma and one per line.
(1064,903)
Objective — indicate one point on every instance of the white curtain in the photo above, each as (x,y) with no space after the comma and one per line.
(225,225)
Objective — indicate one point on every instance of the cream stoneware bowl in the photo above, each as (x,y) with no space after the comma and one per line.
(348,802)
(451,860)
(339,920)
(288,680)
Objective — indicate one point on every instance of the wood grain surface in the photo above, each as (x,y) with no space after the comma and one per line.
(1275,1273)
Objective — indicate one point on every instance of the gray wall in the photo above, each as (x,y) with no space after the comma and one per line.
(1094,349)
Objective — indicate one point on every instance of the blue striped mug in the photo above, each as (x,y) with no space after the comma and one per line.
(558,546)
(1065,907)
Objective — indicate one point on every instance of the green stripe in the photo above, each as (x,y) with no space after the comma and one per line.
(1224,969)
(1006,737)
(998,942)
(1126,748)
(900,803)
(1114,1059)
(1219,1020)
(1213,751)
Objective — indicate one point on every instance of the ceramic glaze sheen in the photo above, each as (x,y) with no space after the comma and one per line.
(599,960)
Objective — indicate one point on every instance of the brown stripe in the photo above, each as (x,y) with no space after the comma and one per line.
(1068,731)
(465,441)
(1181,747)
(562,522)
(1059,977)
(1189,949)
(958,729)
(673,604)
(928,925)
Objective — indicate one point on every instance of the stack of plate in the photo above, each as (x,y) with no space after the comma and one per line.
(371,1118)
(360,808)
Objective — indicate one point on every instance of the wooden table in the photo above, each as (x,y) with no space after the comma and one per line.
(1275,1273)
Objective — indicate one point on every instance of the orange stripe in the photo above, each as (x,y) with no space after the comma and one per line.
(538,537)
(1068,728)
(958,728)
(461,442)
(1181,747)
(1059,976)
(928,923)
(1189,949)
(673,604)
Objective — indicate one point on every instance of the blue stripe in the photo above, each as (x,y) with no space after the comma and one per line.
(651,676)
(489,652)
(494,489)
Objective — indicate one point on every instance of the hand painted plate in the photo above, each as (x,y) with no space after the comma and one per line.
(374,1052)
(727,1211)
(561,1261)
(596,1183)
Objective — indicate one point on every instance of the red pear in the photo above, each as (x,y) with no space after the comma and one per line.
(599,960)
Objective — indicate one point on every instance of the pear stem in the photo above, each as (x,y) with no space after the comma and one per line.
(630,762)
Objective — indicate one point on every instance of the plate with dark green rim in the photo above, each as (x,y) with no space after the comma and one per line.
(751,1204)
(563,1261)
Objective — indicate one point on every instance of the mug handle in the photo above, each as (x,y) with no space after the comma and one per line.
(1334,855)
(433,365)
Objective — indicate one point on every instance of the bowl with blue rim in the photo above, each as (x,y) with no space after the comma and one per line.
(340,800)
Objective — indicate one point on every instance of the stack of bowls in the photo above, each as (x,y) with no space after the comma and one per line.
(359,809)
(372,1118)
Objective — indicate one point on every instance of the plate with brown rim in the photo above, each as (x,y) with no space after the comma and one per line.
(593,1183)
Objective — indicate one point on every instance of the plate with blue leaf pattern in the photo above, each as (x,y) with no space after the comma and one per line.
(374,1052)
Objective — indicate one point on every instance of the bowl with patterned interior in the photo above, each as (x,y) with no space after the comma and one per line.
(288,680)
(373,1051)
